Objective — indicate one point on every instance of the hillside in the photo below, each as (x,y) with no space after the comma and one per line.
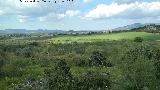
(151,28)
(129,27)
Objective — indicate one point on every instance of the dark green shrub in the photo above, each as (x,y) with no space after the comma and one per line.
(34,44)
(138,39)
(97,59)
(1,65)
(59,77)
(138,68)
(157,62)
(25,52)
(81,63)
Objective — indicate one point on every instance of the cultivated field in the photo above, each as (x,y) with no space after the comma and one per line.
(104,37)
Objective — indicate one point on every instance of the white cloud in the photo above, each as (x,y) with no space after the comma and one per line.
(86,1)
(54,16)
(51,16)
(72,13)
(125,1)
(103,10)
(1,12)
(23,19)
(34,11)
(133,10)
(133,1)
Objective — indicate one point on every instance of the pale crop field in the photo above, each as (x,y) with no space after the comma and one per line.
(85,38)
(105,37)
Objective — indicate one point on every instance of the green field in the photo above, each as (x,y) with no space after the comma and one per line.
(104,37)
(114,61)
(85,38)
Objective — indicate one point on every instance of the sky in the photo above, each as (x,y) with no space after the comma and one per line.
(77,14)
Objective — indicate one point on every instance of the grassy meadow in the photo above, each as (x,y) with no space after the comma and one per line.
(84,38)
(104,37)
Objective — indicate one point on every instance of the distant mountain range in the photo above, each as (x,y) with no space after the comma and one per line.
(30,31)
(24,31)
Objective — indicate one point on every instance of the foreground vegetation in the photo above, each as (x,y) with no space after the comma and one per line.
(55,64)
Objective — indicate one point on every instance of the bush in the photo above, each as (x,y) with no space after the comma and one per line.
(59,77)
(94,81)
(138,69)
(81,63)
(97,59)
(11,71)
(1,65)
(138,39)
(34,44)
(26,52)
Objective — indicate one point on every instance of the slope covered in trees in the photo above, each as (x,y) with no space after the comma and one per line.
(151,28)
